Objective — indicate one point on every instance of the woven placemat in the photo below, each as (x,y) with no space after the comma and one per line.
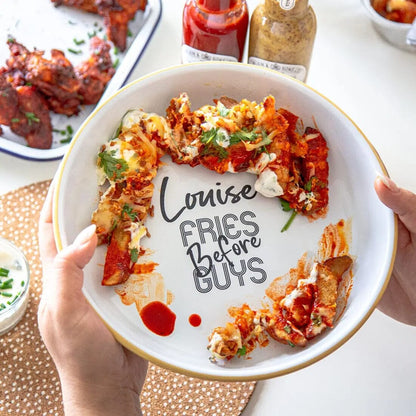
(29,383)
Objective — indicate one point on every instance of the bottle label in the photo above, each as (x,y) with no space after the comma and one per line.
(287,4)
(190,54)
(295,71)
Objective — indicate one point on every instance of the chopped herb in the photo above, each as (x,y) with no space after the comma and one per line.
(211,139)
(4,272)
(78,42)
(208,136)
(134,255)
(2,306)
(116,50)
(7,295)
(22,283)
(112,166)
(7,284)
(116,63)
(15,120)
(316,320)
(92,34)
(31,117)
(291,344)
(129,34)
(222,109)
(68,132)
(243,136)
(114,225)
(285,205)
(287,329)
(308,185)
(242,351)
(71,22)
(128,210)
(75,51)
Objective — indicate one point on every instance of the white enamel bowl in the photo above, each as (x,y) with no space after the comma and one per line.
(354,165)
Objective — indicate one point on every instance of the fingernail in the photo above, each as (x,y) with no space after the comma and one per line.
(85,235)
(389,183)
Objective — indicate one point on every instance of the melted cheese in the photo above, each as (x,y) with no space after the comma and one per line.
(137,232)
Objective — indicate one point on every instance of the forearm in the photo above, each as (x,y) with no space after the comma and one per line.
(94,400)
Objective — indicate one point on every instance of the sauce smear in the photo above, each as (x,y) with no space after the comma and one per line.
(195,320)
(158,318)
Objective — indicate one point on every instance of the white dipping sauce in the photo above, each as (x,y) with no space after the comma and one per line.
(14,285)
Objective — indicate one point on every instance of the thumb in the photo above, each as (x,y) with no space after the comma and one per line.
(83,247)
(72,259)
(401,201)
(64,277)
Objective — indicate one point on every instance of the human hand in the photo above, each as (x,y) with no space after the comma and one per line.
(399,300)
(98,375)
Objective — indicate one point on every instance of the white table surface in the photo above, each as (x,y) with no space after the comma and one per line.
(375,84)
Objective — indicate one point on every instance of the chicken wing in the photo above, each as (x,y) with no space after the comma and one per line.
(116,13)
(26,113)
(95,72)
(55,79)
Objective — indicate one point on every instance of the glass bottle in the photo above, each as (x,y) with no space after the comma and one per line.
(214,30)
(282,34)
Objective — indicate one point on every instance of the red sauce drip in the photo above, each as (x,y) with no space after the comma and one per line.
(158,318)
(216,26)
(195,320)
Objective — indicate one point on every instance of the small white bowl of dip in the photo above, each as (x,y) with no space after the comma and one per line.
(14,285)
(394,33)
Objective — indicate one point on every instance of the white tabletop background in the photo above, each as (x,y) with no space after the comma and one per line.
(375,84)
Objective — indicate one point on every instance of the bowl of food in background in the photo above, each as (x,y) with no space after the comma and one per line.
(392,20)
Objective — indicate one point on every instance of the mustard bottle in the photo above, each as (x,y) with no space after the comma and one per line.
(282,34)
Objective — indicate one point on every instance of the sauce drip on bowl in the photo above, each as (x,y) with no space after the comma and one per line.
(158,318)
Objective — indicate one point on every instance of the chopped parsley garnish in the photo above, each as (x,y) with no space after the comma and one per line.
(112,166)
(243,136)
(216,140)
(241,352)
(291,344)
(287,329)
(128,210)
(15,120)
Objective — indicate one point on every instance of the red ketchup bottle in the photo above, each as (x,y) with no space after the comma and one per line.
(214,30)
